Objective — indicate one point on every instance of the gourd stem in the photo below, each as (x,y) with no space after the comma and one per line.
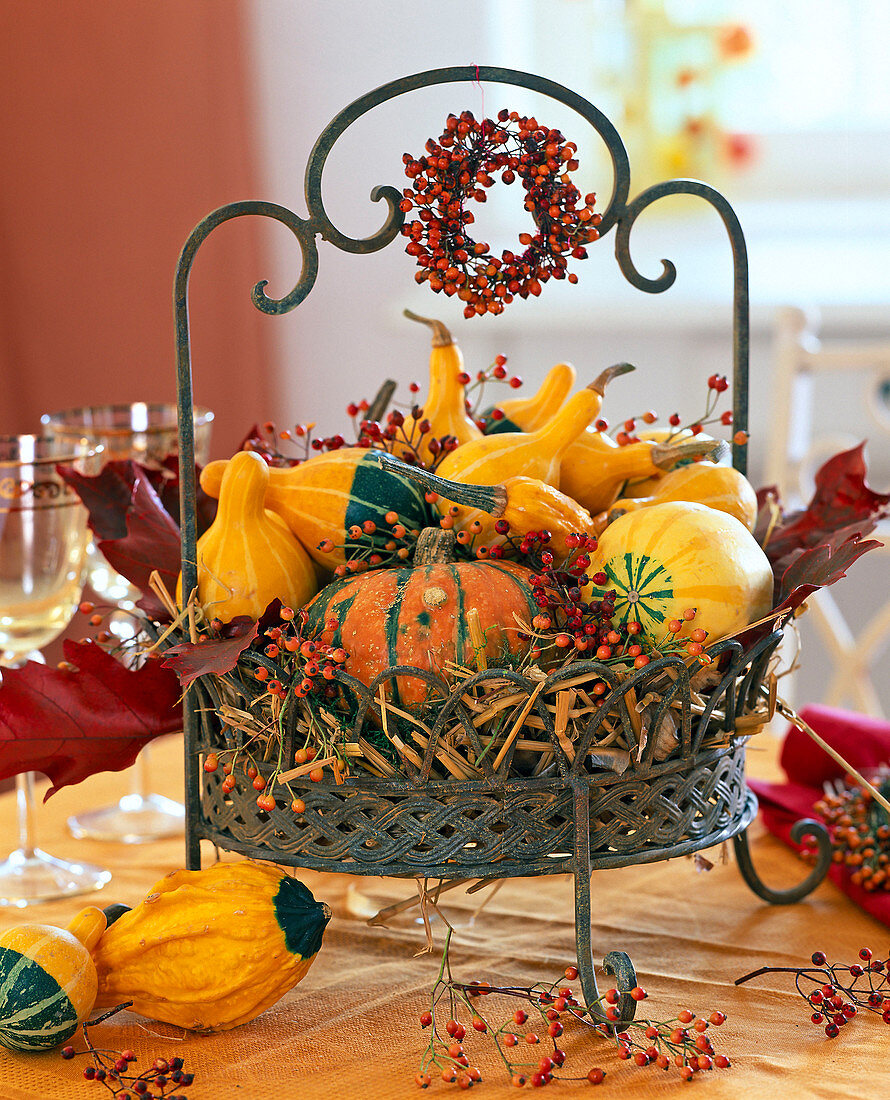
(381,402)
(441,336)
(434,546)
(665,455)
(598,385)
(487,498)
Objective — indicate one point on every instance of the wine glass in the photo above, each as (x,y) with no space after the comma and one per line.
(43,539)
(146,433)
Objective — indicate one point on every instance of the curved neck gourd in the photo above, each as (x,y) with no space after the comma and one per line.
(445,405)
(518,454)
(595,468)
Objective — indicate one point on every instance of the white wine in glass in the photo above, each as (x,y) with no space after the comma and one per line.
(146,433)
(43,540)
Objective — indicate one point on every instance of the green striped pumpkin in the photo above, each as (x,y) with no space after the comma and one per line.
(418,615)
(48,981)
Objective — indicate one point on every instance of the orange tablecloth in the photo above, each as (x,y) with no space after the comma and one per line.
(350,1029)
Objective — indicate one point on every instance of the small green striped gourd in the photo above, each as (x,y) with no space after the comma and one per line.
(325,496)
(48,981)
(418,615)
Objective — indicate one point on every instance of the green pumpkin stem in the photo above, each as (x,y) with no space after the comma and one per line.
(487,498)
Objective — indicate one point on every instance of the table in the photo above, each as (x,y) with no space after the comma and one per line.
(350,1029)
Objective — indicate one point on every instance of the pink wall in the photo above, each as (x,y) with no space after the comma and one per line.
(123,125)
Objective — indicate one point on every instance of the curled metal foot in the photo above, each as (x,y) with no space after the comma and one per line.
(806,827)
(617,964)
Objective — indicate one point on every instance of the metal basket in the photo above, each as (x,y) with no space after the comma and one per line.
(576,819)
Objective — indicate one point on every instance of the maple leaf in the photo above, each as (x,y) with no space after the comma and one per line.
(72,723)
(166,483)
(151,544)
(219,656)
(133,529)
(106,496)
(842,499)
(822,565)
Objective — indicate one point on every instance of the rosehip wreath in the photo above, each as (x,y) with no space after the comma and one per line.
(456,170)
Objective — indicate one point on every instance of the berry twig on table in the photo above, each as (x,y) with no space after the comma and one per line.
(165,1078)
(545,1011)
(835,992)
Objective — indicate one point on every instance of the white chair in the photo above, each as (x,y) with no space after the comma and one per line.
(853,374)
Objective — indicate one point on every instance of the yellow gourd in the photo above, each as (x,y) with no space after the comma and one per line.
(519,454)
(325,497)
(594,468)
(445,403)
(48,980)
(211,949)
(248,557)
(527,414)
(669,557)
(719,487)
(646,486)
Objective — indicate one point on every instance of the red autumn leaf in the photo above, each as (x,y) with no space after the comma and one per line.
(841,500)
(166,483)
(822,565)
(152,543)
(106,496)
(71,724)
(219,656)
(134,530)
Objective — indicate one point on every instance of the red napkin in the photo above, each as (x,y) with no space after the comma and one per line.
(865,743)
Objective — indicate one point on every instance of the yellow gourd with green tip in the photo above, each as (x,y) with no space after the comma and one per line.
(669,557)
(48,981)
(248,556)
(209,950)
(720,487)
(328,496)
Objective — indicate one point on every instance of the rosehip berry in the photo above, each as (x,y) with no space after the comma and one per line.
(426,1019)
(422,1080)
(596,1076)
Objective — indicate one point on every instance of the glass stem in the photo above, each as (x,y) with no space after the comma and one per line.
(24,794)
(139,783)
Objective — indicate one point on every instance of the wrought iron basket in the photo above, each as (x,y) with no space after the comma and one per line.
(578,815)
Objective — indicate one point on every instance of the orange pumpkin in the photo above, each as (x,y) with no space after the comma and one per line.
(417,615)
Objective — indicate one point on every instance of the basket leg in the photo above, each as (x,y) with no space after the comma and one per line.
(616,964)
(806,827)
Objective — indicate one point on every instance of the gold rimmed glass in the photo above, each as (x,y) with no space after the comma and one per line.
(147,433)
(43,541)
